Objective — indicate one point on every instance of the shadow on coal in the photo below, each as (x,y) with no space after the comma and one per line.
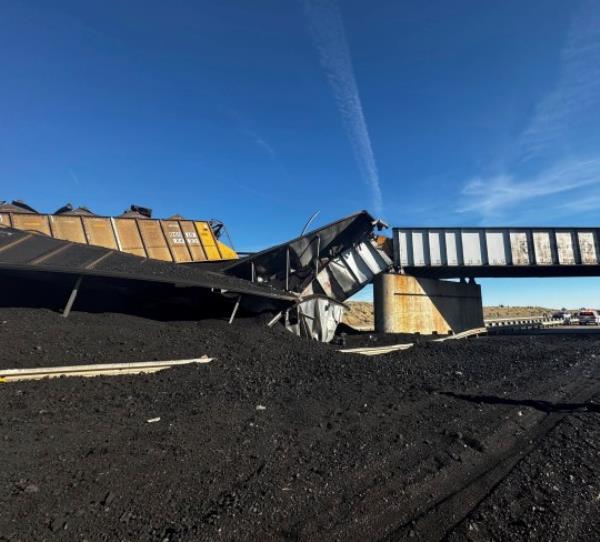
(543,406)
(157,301)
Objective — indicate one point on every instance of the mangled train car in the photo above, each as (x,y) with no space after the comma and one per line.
(142,262)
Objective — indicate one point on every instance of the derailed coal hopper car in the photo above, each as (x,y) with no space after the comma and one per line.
(304,281)
(134,231)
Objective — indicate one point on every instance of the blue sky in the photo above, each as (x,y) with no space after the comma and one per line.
(259,113)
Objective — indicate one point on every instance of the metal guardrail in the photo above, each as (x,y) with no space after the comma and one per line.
(542,321)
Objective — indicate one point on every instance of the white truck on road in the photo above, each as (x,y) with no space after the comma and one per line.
(589,317)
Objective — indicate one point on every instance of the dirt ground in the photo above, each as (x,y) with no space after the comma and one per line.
(360,314)
(283,439)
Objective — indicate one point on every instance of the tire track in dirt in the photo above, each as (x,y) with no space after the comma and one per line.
(428,509)
(435,522)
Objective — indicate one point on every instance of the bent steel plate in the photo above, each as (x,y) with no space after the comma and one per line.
(26,252)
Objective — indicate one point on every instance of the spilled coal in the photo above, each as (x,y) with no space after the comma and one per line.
(285,439)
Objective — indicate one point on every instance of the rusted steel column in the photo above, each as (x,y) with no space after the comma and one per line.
(383,297)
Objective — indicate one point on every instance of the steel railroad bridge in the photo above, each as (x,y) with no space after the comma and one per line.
(497,252)
(414,299)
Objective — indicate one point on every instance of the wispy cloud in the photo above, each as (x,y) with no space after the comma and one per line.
(329,36)
(495,197)
(577,88)
(584,204)
(74,176)
(549,135)
(244,127)
(261,142)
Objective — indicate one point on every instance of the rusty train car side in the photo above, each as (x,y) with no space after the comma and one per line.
(173,240)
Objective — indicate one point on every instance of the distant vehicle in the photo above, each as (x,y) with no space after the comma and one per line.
(589,316)
(562,315)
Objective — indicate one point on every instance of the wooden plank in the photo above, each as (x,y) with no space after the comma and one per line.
(100,369)
(463,334)
(377,350)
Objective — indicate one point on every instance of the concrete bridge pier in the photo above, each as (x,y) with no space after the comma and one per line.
(407,304)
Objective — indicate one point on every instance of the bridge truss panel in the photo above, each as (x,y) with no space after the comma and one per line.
(544,247)
(435,247)
(588,247)
(472,248)
(496,248)
(452,246)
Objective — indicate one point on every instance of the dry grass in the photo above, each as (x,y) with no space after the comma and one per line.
(503,311)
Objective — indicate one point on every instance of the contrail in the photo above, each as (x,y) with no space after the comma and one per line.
(559,115)
(329,37)
(74,177)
